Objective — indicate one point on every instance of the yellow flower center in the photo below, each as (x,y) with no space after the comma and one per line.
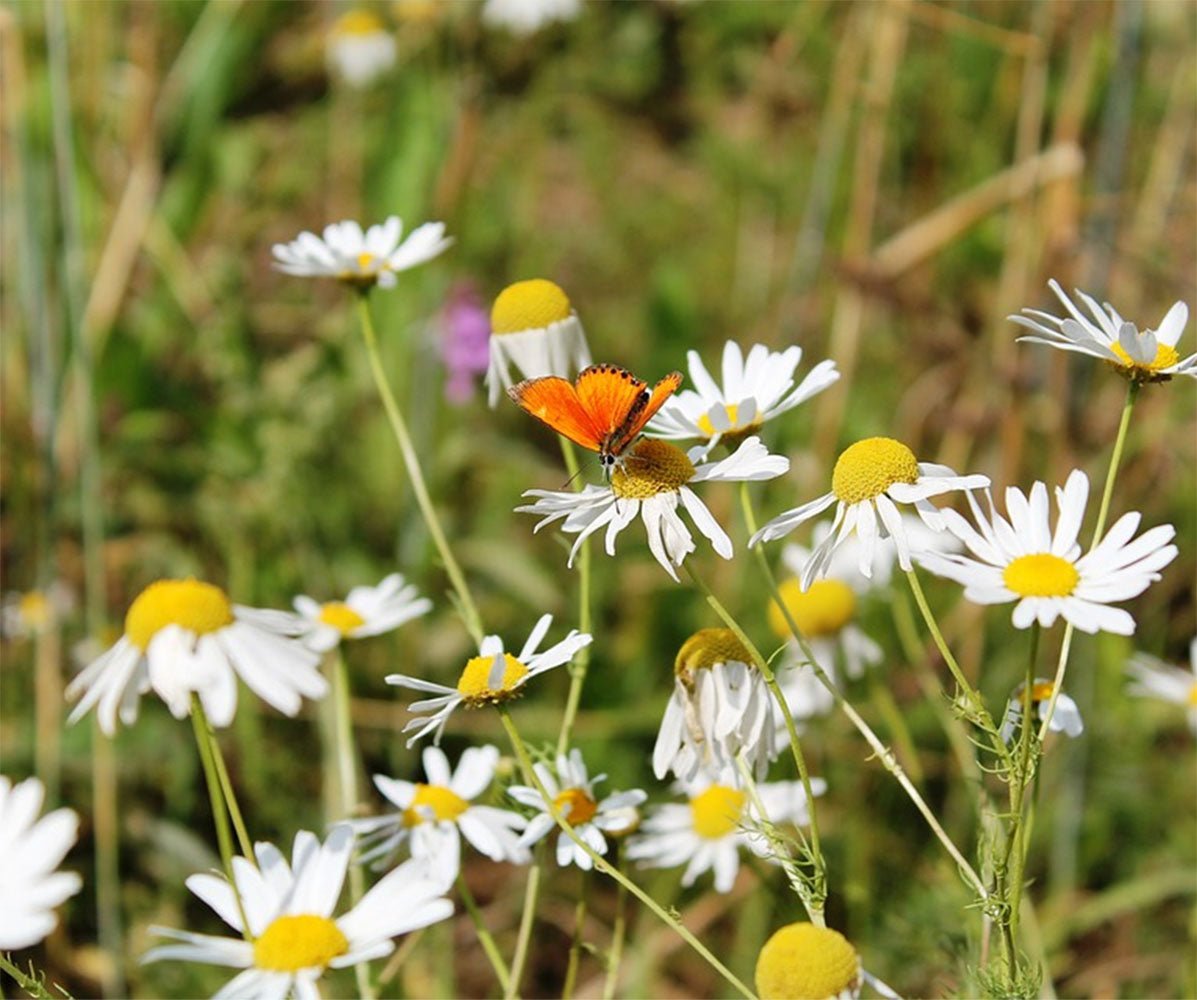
(733,416)
(1041,691)
(1193,696)
(576,806)
(652,467)
(716,812)
(341,617)
(35,609)
(1041,575)
(473,683)
(301,941)
(705,648)
(198,607)
(804,962)
(445,804)
(870,467)
(823,610)
(365,261)
(529,305)
(358,23)
(1165,357)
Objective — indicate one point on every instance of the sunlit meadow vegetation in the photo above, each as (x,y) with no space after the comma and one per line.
(882,184)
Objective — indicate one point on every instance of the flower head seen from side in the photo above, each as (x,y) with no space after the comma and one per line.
(360,49)
(289,908)
(464,342)
(534,328)
(365,611)
(756,388)
(1153,678)
(653,482)
(720,707)
(1066,718)
(870,479)
(31,612)
(31,849)
(490,678)
(572,791)
(185,637)
(435,814)
(361,259)
(808,961)
(1021,559)
(1150,356)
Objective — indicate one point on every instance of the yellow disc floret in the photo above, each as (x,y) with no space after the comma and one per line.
(1193,696)
(474,681)
(804,962)
(529,305)
(357,23)
(341,617)
(443,803)
(1041,575)
(823,610)
(716,812)
(652,467)
(195,606)
(870,467)
(575,805)
(1040,691)
(299,941)
(1165,357)
(35,609)
(705,648)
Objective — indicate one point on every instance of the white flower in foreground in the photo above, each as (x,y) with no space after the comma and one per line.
(289,909)
(1066,718)
(435,815)
(362,259)
(1153,678)
(755,389)
(572,791)
(491,677)
(870,478)
(185,637)
(30,851)
(720,707)
(533,327)
(526,17)
(1150,356)
(28,613)
(707,833)
(653,482)
(366,611)
(360,49)
(1022,560)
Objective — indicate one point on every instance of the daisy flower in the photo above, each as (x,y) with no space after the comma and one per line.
(366,611)
(573,795)
(491,677)
(652,482)
(526,17)
(434,816)
(755,389)
(185,637)
(1150,356)
(34,611)
(1022,560)
(805,960)
(720,707)
(289,911)
(1155,679)
(360,49)
(706,833)
(30,851)
(361,259)
(870,478)
(1065,719)
(533,327)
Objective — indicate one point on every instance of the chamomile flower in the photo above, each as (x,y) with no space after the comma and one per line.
(1150,356)
(533,327)
(491,677)
(365,611)
(653,481)
(31,850)
(185,637)
(526,17)
(720,707)
(1022,560)
(1153,678)
(572,790)
(755,389)
(870,478)
(434,815)
(1066,718)
(294,937)
(707,833)
(374,257)
(805,960)
(28,613)
(360,49)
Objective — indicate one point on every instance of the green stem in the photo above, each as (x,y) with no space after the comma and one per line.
(603,865)
(618,932)
(27,981)
(230,798)
(527,919)
(411,461)
(575,945)
(484,936)
(579,665)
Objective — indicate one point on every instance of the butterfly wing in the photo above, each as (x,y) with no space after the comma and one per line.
(554,401)
(609,393)
(644,410)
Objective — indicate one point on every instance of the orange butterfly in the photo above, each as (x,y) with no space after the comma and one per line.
(604,410)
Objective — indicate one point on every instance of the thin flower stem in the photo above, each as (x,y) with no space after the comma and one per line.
(230,797)
(484,936)
(1016,844)
(603,865)
(575,945)
(618,932)
(581,662)
(527,919)
(411,461)
(29,982)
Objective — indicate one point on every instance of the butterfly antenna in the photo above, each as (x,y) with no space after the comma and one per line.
(570,480)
